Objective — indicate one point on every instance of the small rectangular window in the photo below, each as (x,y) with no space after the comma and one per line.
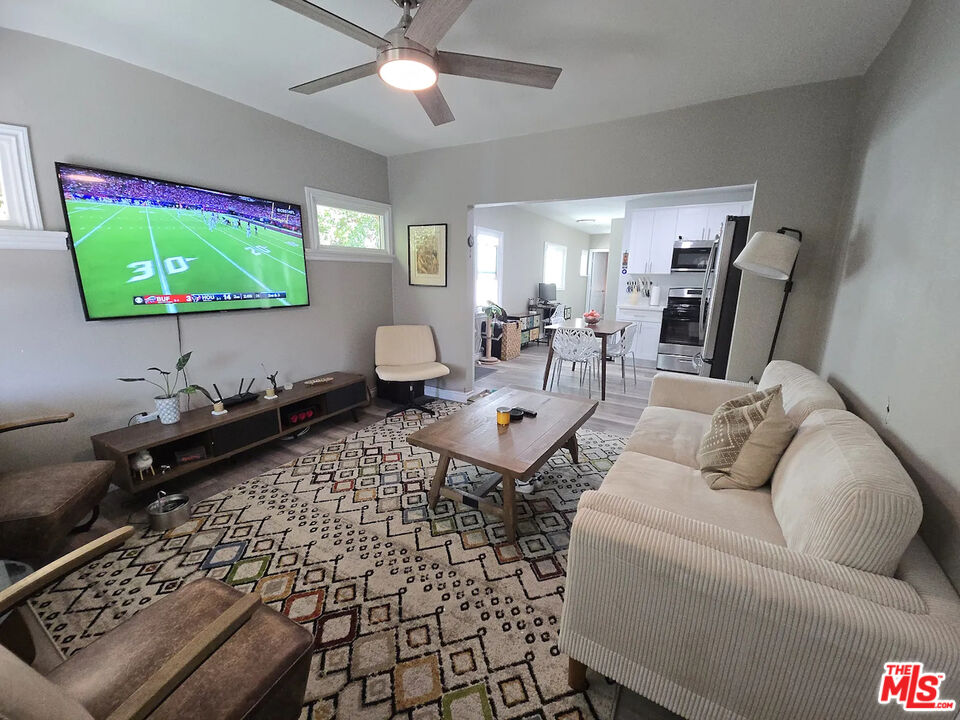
(346,228)
(555,264)
(584,261)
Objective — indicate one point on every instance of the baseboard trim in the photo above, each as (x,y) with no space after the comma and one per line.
(444,394)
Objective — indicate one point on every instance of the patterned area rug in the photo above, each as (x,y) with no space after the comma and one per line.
(417,614)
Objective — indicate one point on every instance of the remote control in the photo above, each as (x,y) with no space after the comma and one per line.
(528,413)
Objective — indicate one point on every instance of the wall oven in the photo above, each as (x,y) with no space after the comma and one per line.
(691,256)
(680,338)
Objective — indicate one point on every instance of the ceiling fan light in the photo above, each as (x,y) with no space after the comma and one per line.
(407,69)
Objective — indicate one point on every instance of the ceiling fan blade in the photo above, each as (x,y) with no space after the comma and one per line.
(340,78)
(435,105)
(433,20)
(506,71)
(324,17)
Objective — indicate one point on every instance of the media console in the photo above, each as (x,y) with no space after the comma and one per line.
(208,439)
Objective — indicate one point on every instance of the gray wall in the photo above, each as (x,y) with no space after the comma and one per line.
(794,143)
(86,108)
(524,234)
(894,341)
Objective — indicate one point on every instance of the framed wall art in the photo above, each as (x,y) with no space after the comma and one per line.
(427,248)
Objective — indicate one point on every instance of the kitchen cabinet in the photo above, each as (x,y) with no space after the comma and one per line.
(691,223)
(639,234)
(717,215)
(661,244)
(651,236)
(646,342)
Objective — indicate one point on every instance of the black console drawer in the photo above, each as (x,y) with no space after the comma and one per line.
(345,397)
(227,438)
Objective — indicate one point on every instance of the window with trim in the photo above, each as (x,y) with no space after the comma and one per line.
(489,281)
(347,228)
(555,264)
(19,207)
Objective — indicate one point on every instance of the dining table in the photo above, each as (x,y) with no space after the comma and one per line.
(602,329)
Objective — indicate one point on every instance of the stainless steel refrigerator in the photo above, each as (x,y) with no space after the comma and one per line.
(718,308)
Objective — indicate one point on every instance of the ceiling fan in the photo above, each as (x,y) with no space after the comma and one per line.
(408,58)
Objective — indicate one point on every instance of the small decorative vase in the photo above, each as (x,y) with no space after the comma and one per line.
(168,409)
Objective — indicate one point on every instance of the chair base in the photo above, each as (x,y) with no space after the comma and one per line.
(406,394)
(412,405)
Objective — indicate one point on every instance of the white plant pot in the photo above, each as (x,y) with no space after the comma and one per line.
(168,409)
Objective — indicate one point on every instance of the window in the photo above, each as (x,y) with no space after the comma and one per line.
(19,208)
(584,261)
(346,228)
(554,264)
(489,283)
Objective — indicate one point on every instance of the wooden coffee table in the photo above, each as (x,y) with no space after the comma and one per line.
(472,435)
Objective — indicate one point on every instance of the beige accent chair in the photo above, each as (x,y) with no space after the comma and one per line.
(783,602)
(406,356)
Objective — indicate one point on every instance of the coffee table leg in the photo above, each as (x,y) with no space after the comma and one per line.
(439,477)
(573,448)
(510,508)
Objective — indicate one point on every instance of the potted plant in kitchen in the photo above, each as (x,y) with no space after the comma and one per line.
(168,401)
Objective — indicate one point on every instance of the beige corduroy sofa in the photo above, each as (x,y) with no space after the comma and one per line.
(783,602)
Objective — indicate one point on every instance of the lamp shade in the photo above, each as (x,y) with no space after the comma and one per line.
(770,255)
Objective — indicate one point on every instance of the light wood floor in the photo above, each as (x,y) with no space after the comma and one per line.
(617,414)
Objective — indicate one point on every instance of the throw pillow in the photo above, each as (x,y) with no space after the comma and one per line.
(746,438)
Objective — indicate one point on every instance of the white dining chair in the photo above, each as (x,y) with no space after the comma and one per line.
(623,347)
(578,345)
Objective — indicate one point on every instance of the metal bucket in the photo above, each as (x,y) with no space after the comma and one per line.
(168,511)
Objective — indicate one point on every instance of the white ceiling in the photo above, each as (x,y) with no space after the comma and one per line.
(620,57)
(575,213)
(595,215)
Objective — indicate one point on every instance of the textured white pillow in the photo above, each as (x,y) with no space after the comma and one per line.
(746,438)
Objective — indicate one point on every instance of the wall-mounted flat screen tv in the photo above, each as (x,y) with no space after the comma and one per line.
(143,246)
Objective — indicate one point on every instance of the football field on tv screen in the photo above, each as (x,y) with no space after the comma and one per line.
(129,255)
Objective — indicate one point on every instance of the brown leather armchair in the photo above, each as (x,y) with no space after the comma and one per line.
(204,651)
(39,507)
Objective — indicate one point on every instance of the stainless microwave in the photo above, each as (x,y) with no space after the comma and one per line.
(691,255)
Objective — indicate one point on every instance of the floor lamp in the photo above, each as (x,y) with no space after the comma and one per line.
(773,255)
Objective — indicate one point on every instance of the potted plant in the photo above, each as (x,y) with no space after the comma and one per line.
(168,402)
(491,310)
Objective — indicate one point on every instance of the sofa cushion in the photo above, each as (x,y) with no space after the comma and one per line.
(670,434)
(803,390)
(746,438)
(410,373)
(680,489)
(840,493)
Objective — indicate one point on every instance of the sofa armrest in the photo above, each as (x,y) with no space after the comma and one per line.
(691,392)
(709,623)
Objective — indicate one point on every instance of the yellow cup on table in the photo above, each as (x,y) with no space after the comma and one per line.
(503,416)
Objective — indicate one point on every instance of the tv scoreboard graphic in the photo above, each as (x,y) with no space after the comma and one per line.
(205,298)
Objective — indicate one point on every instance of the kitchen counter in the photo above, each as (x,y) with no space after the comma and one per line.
(641,305)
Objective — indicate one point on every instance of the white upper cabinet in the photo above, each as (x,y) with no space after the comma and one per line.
(692,223)
(638,231)
(717,216)
(649,233)
(664,235)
